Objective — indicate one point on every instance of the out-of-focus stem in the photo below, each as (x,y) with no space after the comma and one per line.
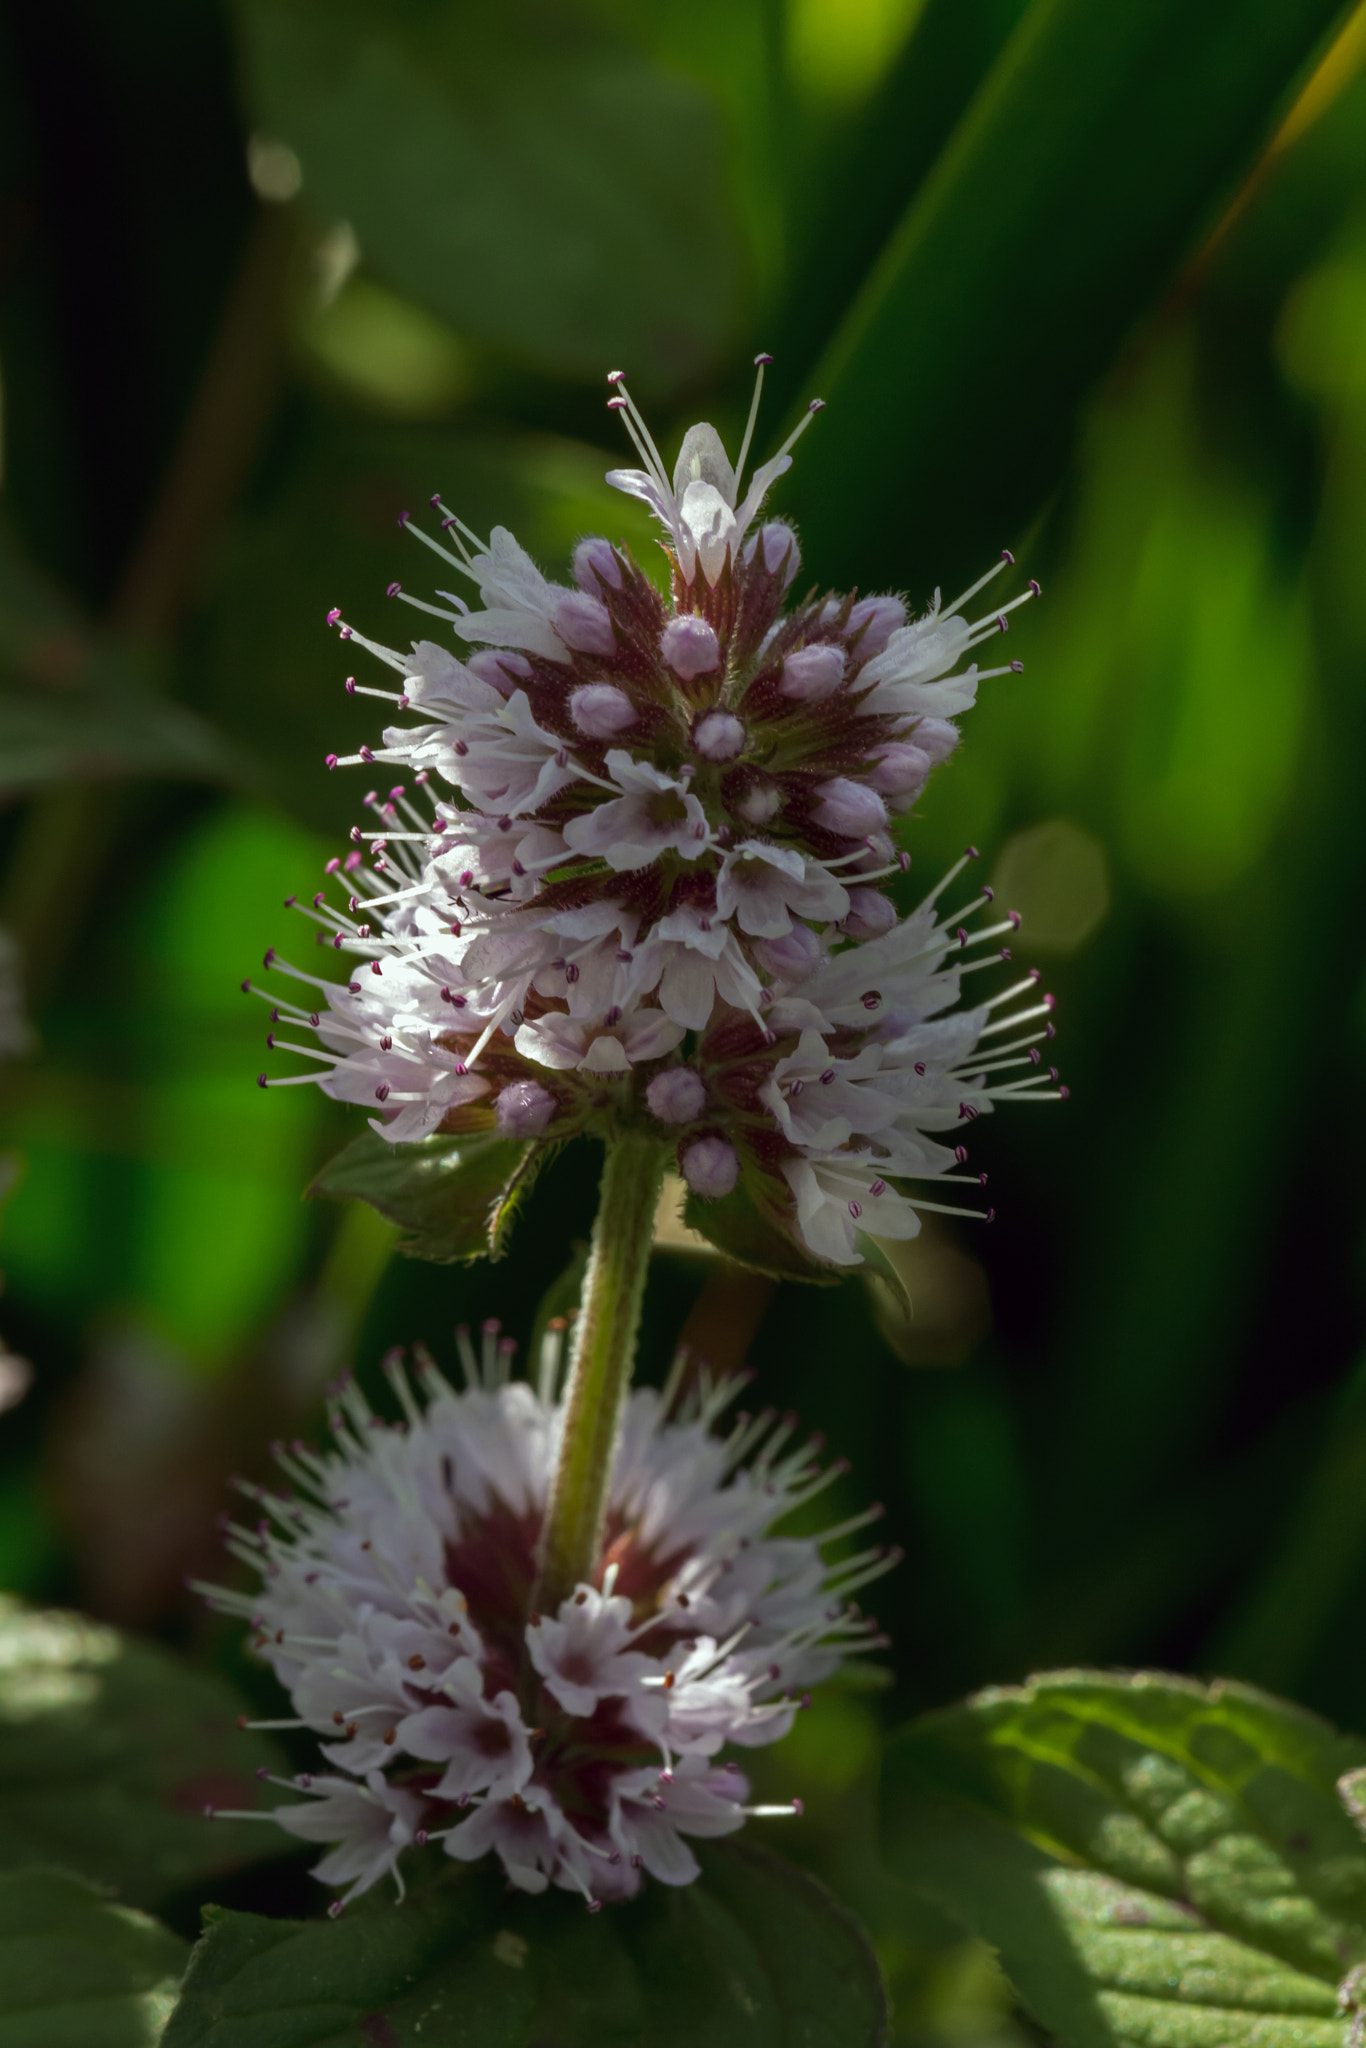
(604,1353)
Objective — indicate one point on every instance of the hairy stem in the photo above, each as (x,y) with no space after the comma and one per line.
(604,1353)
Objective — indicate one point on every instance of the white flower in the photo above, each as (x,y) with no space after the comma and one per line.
(630,817)
(579,1747)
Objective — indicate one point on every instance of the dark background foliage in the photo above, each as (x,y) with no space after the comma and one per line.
(1087,282)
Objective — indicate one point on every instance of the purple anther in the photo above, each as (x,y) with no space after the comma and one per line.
(393,590)
(268,957)
(761,359)
(270,1041)
(971,853)
(827,1077)
(318,900)
(334,615)
(798,1808)
(616,376)
(434,500)
(1033,588)
(960,1153)
(353,988)
(350,686)
(962,935)
(420,1838)
(1003,622)
(382,1092)
(1005,952)
(330,760)
(855,1211)
(329,869)
(966,1110)
(616,405)
(346,633)
(366,754)
(246,988)
(1034,1055)
(990,1216)
(1065,1093)
(1018,667)
(871,998)
(1050,1030)
(920,1066)
(403,518)
(878,1187)
(352,862)
(1006,556)
(262,1081)
(375,967)
(816,405)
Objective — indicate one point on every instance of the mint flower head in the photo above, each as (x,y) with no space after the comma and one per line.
(582,1746)
(633,866)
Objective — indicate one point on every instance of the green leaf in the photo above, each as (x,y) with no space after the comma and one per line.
(74,705)
(453,1196)
(78,1972)
(737,1226)
(110,1750)
(1097,148)
(1157,1861)
(518,172)
(755,1955)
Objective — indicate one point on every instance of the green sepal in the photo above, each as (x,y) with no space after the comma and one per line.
(737,1226)
(453,1197)
(754,1952)
(1155,1860)
(876,1260)
(78,1971)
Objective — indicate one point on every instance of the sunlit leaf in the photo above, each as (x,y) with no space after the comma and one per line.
(453,1197)
(77,1971)
(1099,145)
(519,173)
(110,1751)
(755,1953)
(1156,1860)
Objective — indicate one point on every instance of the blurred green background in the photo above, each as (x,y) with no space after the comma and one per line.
(1090,283)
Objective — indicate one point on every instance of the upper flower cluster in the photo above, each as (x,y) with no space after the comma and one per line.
(581,1746)
(632,818)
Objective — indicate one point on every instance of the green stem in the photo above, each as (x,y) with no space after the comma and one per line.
(604,1352)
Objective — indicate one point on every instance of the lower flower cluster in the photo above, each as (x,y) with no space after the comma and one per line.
(582,1746)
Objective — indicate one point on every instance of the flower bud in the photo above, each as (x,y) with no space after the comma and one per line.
(813,673)
(719,736)
(792,957)
(710,1166)
(676,1096)
(501,670)
(778,540)
(879,618)
(849,808)
(899,771)
(870,914)
(760,802)
(601,710)
(584,624)
(596,566)
(523,1109)
(690,647)
(936,737)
